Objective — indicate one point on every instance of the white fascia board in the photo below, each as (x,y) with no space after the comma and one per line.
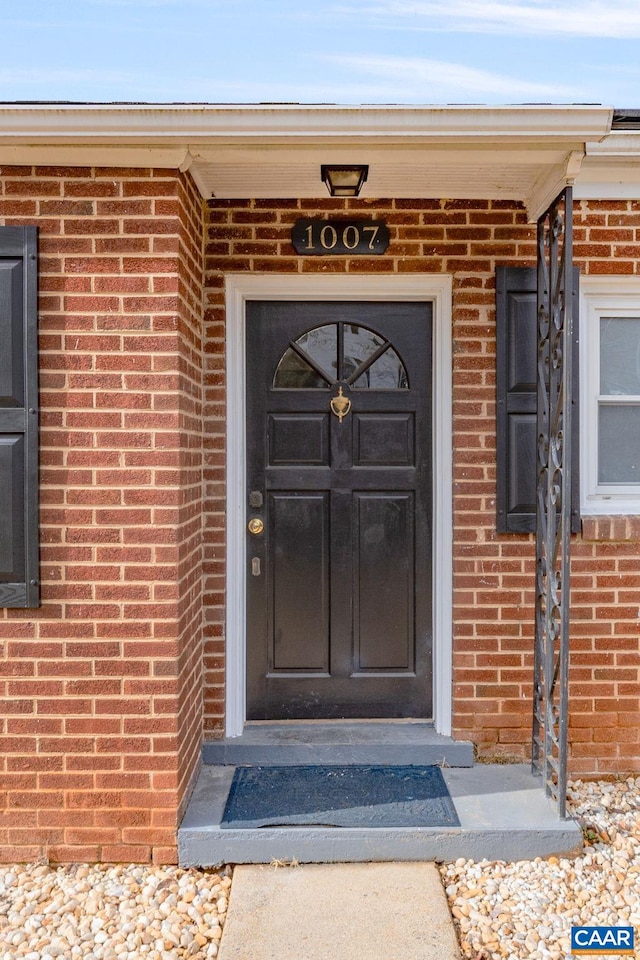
(108,123)
(623,144)
(612,173)
(170,157)
(609,182)
(607,189)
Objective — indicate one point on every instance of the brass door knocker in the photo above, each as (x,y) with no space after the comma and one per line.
(340,405)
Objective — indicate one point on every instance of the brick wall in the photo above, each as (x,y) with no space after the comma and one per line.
(493,575)
(101,686)
(605,631)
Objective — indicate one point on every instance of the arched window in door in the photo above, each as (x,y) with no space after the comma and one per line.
(341,353)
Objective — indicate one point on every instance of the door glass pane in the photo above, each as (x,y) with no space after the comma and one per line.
(619,443)
(359,343)
(321,344)
(620,356)
(359,348)
(295,373)
(385,373)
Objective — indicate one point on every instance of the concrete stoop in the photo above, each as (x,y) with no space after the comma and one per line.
(503,813)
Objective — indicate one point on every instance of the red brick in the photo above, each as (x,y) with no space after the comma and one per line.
(72,853)
(128,853)
(32,187)
(11,853)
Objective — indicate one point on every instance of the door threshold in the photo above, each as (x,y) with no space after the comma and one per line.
(338,721)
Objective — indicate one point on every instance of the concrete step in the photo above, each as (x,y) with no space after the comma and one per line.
(400,742)
(503,812)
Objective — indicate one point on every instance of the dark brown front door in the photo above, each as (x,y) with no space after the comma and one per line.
(339,476)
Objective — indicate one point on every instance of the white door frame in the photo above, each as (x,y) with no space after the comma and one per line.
(437,289)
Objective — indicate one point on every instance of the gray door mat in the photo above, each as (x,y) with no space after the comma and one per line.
(339,796)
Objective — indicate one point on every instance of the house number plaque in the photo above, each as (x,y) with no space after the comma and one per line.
(322,238)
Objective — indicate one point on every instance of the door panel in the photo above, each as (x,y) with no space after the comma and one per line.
(299,565)
(384,626)
(383,439)
(339,582)
(296,438)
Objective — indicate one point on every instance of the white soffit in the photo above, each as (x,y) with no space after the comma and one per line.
(425,171)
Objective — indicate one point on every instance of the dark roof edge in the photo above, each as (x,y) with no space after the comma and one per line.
(626,120)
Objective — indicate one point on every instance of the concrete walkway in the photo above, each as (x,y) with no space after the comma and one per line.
(350,911)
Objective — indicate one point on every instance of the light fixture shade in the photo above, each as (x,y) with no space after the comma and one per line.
(344,181)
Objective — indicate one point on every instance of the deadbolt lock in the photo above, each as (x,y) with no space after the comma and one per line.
(256,526)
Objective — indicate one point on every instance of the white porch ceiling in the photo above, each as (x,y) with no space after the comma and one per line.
(425,171)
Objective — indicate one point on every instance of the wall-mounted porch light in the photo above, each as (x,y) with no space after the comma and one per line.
(344,181)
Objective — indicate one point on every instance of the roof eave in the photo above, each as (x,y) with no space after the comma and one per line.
(163,123)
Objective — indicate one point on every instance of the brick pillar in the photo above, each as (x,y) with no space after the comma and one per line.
(102,684)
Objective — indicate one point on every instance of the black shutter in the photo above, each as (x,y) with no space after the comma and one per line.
(19,577)
(516,346)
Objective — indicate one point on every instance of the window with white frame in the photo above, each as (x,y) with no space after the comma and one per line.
(610,394)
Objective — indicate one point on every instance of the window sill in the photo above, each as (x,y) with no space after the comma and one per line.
(618,529)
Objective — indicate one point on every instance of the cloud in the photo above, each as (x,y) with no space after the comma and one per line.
(365,79)
(59,84)
(134,5)
(42,84)
(436,81)
(576,18)
(45,75)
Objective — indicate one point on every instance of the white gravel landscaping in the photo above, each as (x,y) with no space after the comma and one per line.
(111,912)
(526,909)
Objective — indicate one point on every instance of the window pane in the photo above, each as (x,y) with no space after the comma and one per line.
(359,347)
(359,343)
(619,443)
(322,346)
(620,356)
(386,373)
(295,373)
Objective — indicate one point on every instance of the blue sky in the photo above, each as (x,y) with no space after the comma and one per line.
(321,51)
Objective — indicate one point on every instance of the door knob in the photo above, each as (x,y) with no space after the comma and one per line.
(255,526)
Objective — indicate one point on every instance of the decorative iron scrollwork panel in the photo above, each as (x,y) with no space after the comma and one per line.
(553,496)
